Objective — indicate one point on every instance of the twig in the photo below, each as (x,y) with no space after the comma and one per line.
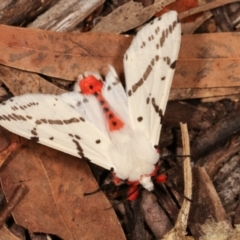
(16,197)
(205,7)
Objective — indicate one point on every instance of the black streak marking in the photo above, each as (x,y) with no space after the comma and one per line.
(155,105)
(77,137)
(82,119)
(152,62)
(38,122)
(79,148)
(51,138)
(70,135)
(162,39)
(148,99)
(147,72)
(5,117)
(57,122)
(163,78)
(137,85)
(157,110)
(19,117)
(98,141)
(43,120)
(71,120)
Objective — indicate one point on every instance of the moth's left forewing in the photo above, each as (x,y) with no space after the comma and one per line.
(149,65)
(49,120)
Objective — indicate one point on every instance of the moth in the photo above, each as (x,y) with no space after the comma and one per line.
(115,129)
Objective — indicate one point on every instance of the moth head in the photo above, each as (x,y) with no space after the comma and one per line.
(89,83)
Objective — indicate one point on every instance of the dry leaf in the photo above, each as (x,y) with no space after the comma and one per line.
(61,55)
(55,203)
(65,55)
(20,82)
(129,16)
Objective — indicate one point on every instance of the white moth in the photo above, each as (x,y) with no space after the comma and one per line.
(114,129)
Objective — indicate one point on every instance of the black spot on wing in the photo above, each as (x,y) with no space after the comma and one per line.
(106,109)
(82,119)
(147,100)
(77,137)
(34,132)
(140,119)
(173,65)
(110,116)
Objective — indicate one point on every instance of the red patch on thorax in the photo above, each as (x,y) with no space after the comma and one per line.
(92,86)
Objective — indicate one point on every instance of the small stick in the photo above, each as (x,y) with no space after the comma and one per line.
(204,7)
(16,197)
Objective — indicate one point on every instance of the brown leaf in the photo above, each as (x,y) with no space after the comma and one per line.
(61,55)
(55,203)
(202,57)
(21,82)
(129,16)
